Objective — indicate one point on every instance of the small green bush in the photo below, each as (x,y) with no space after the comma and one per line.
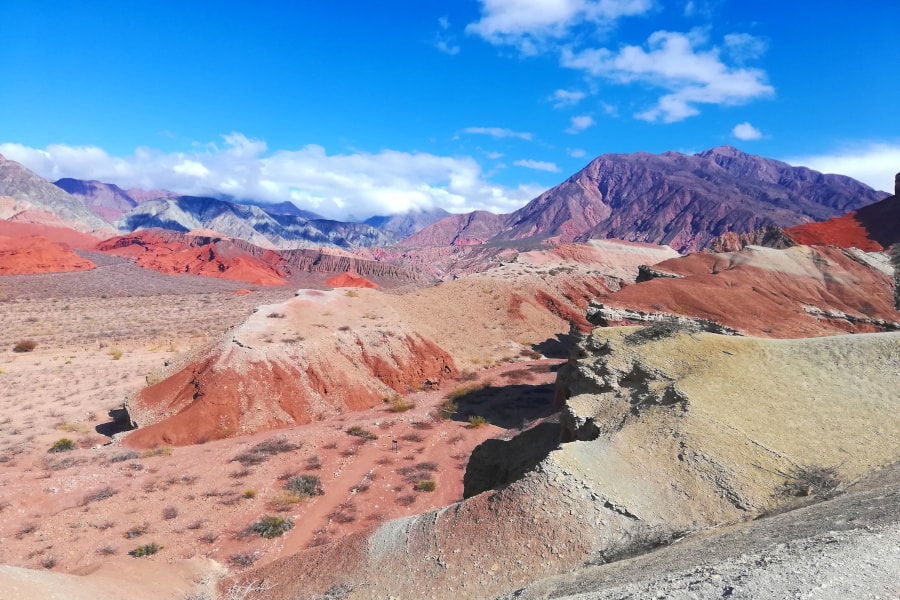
(62,445)
(271,527)
(146,550)
(476,421)
(447,409)
(425,486)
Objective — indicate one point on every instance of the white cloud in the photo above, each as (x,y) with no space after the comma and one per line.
(537,165)
(875,164)
(742,47)
(673,62)
(494,155)
(577,153)
(581,123)
(746,131)
(498,132)
(563,98)
(528,24)
(443,39)
(334,185)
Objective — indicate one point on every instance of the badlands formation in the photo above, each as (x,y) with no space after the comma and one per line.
(472,413)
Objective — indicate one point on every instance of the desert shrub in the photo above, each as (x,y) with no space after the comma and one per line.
(658,330)
(275,315)
(249,494)
(419,472)
(476,421)
(243,559)
(413,437)
(285,500)
(314,463)
(62,445)
(146,550)
(264,450)
(426,485)
(406,499)
(810,480)
(48,562)
(136,531)
(101,494)
(305,485)
(361,432)
(130,455)
(271,527)
(169,513)
(63,463)
(447,409)
(400,404)
(209,537)
(115,353)
(344,328)
(25,346)
(351,294)
(106,550)
(157,451)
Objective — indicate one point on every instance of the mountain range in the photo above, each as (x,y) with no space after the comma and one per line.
(684,201)
(680,200)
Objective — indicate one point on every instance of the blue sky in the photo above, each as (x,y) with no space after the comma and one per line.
(354,108)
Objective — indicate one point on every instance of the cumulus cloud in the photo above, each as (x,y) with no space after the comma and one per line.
(333,185)
(580,123)
(563,98)
(537,165)
(498,132)
(529,24)
(676,63)
(746,131)
(875,164)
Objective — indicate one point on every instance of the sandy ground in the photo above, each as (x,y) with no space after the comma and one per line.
(82,511)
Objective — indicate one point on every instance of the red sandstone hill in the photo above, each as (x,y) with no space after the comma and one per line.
(798,292)
(872,228)
(350,280)
(192,256)
(675,199)
(38,254)
(226,258)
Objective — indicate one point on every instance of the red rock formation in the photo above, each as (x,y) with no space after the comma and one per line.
(169,254)
(769,293)
(37,254)
(872,228)
(238,389)
(350,279)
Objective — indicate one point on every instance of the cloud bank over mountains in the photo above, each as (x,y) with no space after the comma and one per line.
(338,186)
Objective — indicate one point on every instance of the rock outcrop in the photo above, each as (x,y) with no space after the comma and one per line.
(672,436)
(37,254)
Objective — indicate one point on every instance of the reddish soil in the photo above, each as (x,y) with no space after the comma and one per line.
(350,280)
(762,291)
(174,257)
(872,228)
(37,254)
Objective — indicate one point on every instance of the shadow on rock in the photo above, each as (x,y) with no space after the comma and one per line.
(120,422)
(508,406)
